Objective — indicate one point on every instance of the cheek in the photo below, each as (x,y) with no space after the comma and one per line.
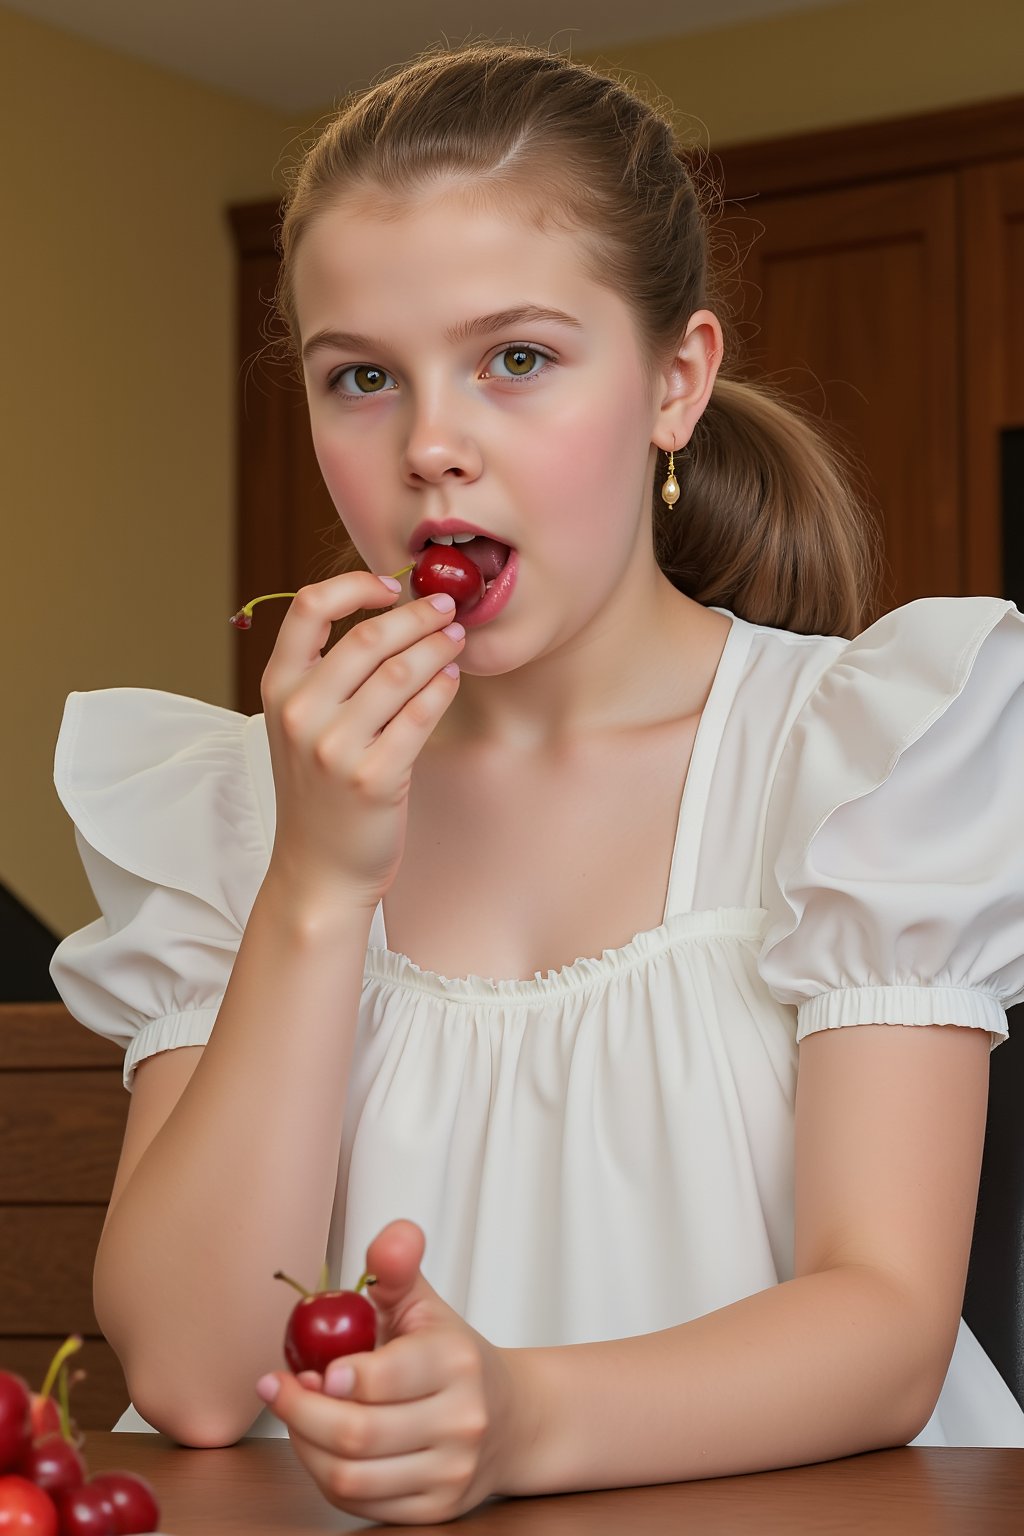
(351,479)
(589,468)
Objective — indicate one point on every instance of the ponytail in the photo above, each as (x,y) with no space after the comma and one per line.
(769,524)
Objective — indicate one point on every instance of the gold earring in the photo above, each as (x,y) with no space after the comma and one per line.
(670,490)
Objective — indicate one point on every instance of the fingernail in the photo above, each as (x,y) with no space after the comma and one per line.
(453,631)
(391,584)
(339,1381)
(443,601)
(268,1387)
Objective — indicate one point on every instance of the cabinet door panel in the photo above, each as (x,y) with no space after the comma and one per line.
(993,307)
(288,528)
(850,306)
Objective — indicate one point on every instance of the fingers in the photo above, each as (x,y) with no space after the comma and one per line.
(343,1427)
(353,1484)
(306,627)
(383,647)
(398,678)
(394,1258)
(414,1365)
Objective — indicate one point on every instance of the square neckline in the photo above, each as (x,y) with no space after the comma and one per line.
(693,798)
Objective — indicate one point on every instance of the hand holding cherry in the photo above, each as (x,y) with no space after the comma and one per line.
(440,568)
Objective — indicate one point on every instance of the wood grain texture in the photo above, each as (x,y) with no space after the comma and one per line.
(850,304)
(992,369)
(46,1261)
(98,1401)
(929,141)
(61,1133)
(45,1036)
(259,1487)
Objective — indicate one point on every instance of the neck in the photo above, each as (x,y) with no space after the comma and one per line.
(646,655)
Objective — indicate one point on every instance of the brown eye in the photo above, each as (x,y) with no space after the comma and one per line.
(359,379)
(519,360)
(369,380)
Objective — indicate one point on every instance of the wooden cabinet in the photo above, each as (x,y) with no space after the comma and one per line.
(885,293)
(848,297)
(992,332)
(62,1115)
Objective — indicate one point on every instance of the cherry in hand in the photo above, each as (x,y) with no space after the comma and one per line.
(326,1324)
(439,568)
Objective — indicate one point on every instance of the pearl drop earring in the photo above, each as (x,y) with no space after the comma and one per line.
(670,490)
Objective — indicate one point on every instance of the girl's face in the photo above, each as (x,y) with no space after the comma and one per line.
(459,363)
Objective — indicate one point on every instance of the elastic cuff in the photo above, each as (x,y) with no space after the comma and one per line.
(193,1027)
(964,1006)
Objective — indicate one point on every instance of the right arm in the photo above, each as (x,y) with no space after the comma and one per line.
(229,1165)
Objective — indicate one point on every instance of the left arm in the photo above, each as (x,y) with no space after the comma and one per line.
(848,1356)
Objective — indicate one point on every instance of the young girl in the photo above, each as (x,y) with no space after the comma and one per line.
(482,958)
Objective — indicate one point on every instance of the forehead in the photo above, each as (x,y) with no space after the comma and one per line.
(429,260)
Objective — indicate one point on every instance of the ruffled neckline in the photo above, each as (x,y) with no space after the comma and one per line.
(742,923)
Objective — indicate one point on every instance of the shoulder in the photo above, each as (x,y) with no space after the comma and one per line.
(894,851)
(172,803)
(877,695)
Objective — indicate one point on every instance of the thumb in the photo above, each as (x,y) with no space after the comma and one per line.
(394,1257)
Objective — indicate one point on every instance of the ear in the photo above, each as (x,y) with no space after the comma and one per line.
(686,381)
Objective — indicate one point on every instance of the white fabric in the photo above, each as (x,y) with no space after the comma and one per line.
(607,1149)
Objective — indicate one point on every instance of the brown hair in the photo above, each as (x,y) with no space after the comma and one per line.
(769,525)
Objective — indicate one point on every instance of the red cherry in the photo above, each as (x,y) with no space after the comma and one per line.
(15,1419)
(134,1501)
(444,568)
(326,1324)
(86,1511)
(45,1416)
(52,1463)
(25,1510)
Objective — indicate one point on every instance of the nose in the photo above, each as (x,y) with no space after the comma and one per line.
(437,449)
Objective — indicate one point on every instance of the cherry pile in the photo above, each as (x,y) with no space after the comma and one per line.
(45,1489)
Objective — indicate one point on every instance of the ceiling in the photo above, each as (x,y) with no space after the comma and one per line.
(299,55)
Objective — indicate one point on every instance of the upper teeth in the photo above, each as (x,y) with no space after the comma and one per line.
(451,538)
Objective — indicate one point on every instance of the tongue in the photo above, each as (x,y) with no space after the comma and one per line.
(489,557)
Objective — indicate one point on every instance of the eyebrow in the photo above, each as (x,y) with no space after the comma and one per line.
(484,325)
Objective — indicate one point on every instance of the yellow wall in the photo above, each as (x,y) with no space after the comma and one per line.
(847,63)
(117,424)
(117,273)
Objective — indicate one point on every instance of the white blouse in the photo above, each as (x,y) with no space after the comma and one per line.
(607,1149)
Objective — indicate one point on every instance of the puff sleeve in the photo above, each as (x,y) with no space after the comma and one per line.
(172,803)
(894,848)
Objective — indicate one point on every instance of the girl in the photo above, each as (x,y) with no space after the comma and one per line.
(611,966)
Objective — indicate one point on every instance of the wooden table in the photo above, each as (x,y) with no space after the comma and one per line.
(259,1488)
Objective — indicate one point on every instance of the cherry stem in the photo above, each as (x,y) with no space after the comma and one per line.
(245,612)
(279,1274)
(64,1405)
(69,1347)
(366,1280)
